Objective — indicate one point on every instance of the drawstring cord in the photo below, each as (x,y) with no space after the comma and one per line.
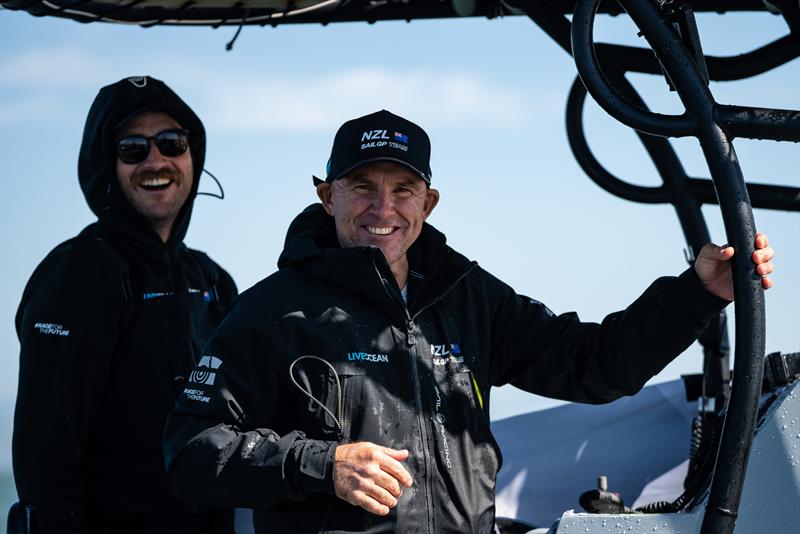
(221,194)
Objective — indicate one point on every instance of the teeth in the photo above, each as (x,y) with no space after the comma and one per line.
(155,182)
(379,230)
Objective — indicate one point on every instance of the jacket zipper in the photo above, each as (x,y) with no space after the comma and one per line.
(418,390)
(411,341)
(341,407)
(420,419)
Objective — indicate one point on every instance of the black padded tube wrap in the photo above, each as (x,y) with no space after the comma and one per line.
(734,201)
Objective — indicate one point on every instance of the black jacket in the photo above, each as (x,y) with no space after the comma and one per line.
(416,377)
(110,326)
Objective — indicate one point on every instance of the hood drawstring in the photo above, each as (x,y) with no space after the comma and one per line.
(221,194)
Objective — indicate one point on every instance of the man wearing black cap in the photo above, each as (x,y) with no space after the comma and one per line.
(351,388)
(111,324)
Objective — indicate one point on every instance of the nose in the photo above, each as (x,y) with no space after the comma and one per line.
(155,158)
(383,202)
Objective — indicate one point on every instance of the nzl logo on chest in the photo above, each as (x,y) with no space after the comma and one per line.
(367,357)
(447,353)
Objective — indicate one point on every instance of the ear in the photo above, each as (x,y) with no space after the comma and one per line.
(325,192)
(431,199)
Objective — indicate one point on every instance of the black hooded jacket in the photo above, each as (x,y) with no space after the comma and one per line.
(110,326)
(246,431)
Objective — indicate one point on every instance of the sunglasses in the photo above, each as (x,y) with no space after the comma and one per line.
(134,148)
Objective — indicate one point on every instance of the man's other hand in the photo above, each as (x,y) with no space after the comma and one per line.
(714,269)
(370,476)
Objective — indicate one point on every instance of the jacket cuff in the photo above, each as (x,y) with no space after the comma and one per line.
(315,473)
(688,299)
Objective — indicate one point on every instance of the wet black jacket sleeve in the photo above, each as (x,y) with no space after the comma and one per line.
(67,325)
(217,450)
(560,357)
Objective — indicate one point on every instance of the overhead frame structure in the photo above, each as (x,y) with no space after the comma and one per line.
(275,12)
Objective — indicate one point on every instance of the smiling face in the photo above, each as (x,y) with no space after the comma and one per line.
(158,186)
(383,205)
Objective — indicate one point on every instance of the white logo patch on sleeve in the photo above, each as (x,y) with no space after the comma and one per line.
(51,329)
(203,373)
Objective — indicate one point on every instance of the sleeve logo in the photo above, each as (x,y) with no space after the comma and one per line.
(204,372)
(51,329)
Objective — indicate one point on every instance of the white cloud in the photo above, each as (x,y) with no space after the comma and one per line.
(53,68)
(322,103)
(34,108)
(39,81)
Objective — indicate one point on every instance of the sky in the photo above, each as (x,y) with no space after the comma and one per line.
(491,95)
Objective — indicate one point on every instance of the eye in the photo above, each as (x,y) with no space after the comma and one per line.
(403,191)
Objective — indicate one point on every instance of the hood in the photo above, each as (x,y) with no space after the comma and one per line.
(308,236)
(114,105)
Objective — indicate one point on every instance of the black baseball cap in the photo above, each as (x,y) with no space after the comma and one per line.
(380,136)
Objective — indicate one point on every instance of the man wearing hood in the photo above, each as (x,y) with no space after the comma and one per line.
(351,388)
(111,324)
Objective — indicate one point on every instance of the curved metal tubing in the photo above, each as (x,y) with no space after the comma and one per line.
(592,167)
(608,98)
(726,68)
(765,196)
(635,59)
(736,441)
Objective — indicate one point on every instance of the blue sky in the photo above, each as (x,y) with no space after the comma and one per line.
(491,94)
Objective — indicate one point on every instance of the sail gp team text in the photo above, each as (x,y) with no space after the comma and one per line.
(376,144)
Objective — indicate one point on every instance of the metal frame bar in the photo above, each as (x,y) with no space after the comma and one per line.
(702,111)
(351,11)
(714,339)
(764,196)
(716,372)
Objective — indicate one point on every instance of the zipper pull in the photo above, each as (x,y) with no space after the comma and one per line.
(410,333)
